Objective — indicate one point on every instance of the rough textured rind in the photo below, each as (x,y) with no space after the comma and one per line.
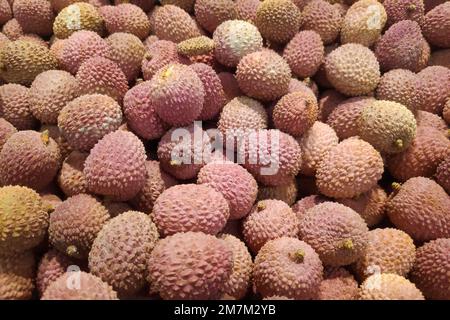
(443,174)
(287,267)
(12,29)
(436,26)
(211,13)
(431,268)
(90,288)
(71,179)
(6,12)
(55,133)
(6,131)
(17,276)
(398,10)
(421,208)
(349,169)
(433,84)
(29,158)
(306,203)
(387,286)
(388,251)
(15,106)
(34,16)
(127,17)
(120,252)
(87,119)
(50,92)
(190,266)
(237,185)
(75,223)
(115,166)
(427,150)
(268,220)
(186,5)
(328,101)
(323,18)
(338,284)
(246,9)
(21,206)
(174,24)
(190,207)
(428,119)
(446,111)
(286,193)
(315,143)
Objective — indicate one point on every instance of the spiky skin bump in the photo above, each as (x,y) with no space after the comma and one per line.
(102,76)
(344,118)
(431,268)
(178,94)
(323,18)
(433,84)
(257,152)
(34,16)
(87,119)
(52,265)
(239,282)
(263,75)
(17,276)
(235,39)
(71,179)
(75,223)
(81,46)
(186,5)
(388,126)
(235,183)
(21,206)
(287,267)
(21,61)
(128,18)
(422,157)
(15,106)
(443,174)
(127,51)
(174,24)
(349,169)
(363,23)
(211,13)
(338,284)
(428,119)
(305,86)
(196,46)
(246,10)
(34,38)
(120,252)
(388,286)
(404,10)
(30,159)
(75,17)
(6,131)
(402,46)
(115,166)
(436,26)
(50,92)
(91,288)
(353,69)
(286,193)
(421,209)
(278,20)
(190,207)
(268,220)
(190,266)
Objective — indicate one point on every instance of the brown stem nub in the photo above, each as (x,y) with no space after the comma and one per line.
(396,186)
(45,137)
(347,244)
(72,251)
(175,163)
(298,256)
(260,206)
(398,143)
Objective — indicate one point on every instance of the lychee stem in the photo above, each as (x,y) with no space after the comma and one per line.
(71,250)
(396,186)
(347,244)
(175,163)
(260,206)
(298,256)
(411,7)
(45,137)
(398,143)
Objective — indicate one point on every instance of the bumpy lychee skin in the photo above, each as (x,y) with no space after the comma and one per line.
(120,252)
(6,131)
(421,209)
(5,12)
(271,156)
(436,26)
(427,150)
(246,9)
(174,24)
(210,14)
(186,5)
(349,169)
(87,119)
(402,46)
(103,76)
(388,251)
(286,193)
(263,75)
(234,39)
(352,69)
(268,220)
(287,267)
(443,174)
(295,113)
(78,16)
(29,158)
(34,16)
(431,268)
(338,284)
(50,92)
(446,111)
(388,286)
(90,288)
(363,23)
(278,20)
(15,106)
(75,224)
(55,133)
(337,233)
(306,203)
(178,94)
(428,119)
(190,266)
(115,166)
(190,207)
(71,178)
(432,82)
(17,276)
(404,10)
(126,17)
(235,183)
